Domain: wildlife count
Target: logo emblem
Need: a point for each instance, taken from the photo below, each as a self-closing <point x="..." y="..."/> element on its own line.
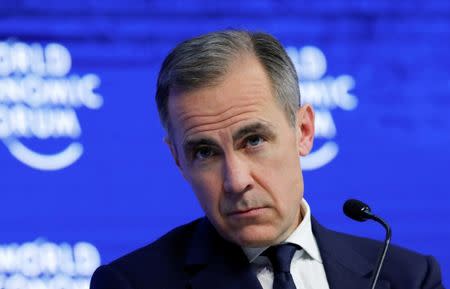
<point x="325" y="93"/>
<point x="43" y="264"/>
<point x="39" y="100"/>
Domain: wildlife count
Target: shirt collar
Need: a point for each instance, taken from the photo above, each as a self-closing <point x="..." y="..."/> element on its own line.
<point x="302" y="236"/>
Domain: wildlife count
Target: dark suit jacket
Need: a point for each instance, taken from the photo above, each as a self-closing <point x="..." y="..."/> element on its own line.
<point x="195" y="256"/>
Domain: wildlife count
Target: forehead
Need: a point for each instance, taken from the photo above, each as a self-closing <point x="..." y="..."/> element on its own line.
<point x="244" y="94"/>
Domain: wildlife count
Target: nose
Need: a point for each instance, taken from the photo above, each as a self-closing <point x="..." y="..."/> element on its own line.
<point x="237" y="176"/>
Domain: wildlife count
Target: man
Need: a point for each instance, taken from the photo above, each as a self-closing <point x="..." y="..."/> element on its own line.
<point x="229" y="102"/>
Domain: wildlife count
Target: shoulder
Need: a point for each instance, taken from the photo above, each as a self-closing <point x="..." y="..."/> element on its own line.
<point x="370" y="249"/>
<point x="401" y="266"/>
<point x="171" y="245"/>
<point x="145" y="267"/>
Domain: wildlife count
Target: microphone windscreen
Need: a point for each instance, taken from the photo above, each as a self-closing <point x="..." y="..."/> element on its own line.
<point x="356" y="210"/>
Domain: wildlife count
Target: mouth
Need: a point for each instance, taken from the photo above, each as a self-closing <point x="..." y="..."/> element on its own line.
<point x="252" y="212"/>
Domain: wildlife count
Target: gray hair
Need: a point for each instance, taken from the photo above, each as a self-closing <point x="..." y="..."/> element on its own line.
<point x="203" y="61"/>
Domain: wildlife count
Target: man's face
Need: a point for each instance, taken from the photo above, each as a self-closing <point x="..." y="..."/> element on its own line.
<point x="234" y="145"/>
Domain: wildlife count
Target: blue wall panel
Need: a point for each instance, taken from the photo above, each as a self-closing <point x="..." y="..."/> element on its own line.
<point x="124" y="190"/>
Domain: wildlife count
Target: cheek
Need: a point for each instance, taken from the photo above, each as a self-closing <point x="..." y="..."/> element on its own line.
<point x="280" y="175"/>
<point x="207" y="188"/>
<point x="281" y="167"/>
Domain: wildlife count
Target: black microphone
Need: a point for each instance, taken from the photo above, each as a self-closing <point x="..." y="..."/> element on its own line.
<point x="361" y="212"/>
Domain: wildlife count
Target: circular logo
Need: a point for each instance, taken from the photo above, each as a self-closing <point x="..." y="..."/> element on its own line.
<point x="325" y="93"/>
<point x="39" y="100"/>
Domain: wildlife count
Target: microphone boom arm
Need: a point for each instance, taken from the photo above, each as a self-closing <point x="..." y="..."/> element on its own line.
<point x="387" y="241"/>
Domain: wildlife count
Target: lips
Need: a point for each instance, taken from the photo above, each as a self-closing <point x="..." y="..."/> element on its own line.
<point x="247" y="212"/>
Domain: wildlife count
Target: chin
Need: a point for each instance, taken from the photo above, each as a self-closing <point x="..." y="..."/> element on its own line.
<point x="254" y="238"/>
<point x="254" y="243"/>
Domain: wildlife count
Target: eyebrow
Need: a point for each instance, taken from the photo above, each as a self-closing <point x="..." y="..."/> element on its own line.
<point x="190" y="144"/>
<point x="253" y="128"/>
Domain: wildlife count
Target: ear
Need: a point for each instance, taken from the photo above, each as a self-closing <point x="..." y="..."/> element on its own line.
<point x="305" y="129"/>
<point x="173" y="150"/>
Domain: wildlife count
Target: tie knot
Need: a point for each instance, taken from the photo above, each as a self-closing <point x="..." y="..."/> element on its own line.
<point x="280" y="256"/>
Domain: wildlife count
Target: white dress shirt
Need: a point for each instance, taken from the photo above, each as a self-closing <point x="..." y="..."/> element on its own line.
<point x="306" y="266"/>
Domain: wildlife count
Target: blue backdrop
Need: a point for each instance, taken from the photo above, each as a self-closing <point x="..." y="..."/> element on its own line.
<point x="85" y="176"/>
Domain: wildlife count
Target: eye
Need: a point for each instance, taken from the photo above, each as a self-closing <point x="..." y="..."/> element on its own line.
<point x="203" y="153"/>
<point x="254" y="140"/>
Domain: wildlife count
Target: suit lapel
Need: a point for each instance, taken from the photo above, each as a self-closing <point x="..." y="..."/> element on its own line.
<point x="344" y="267"/>
<point x="213" y="262"/>
<point x="340" y="277"/>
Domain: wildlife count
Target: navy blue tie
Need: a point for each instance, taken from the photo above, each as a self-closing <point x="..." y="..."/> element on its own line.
<point x="280" y="256"/>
